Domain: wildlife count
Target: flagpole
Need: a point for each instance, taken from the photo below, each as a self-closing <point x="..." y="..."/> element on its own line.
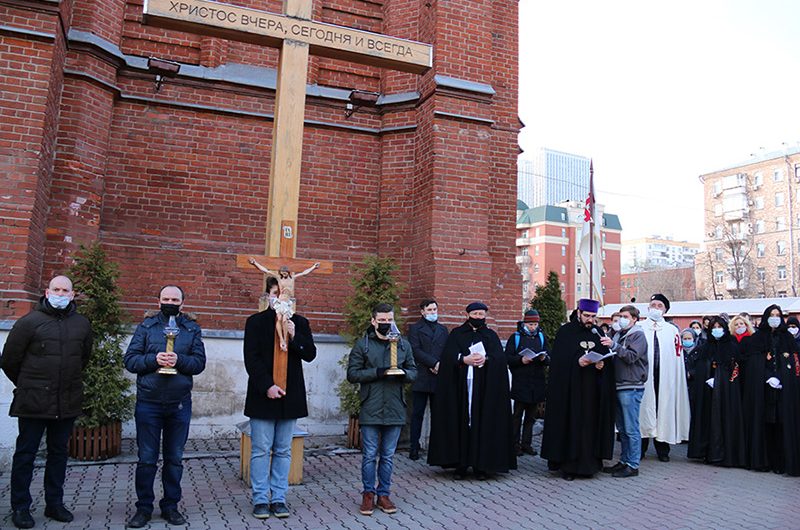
<point x="590" y="200"/>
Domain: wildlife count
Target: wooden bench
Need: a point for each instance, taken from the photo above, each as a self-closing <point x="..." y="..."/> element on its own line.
<point x="298" y="449"/>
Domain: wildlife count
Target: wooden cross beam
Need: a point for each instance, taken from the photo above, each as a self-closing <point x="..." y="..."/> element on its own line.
<point x="296" y="35"/>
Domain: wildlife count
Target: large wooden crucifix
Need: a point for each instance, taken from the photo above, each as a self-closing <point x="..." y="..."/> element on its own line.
<point x="296" y="35"/>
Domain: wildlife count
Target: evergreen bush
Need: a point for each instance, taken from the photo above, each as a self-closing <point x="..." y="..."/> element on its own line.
<point x="107" y="396"/>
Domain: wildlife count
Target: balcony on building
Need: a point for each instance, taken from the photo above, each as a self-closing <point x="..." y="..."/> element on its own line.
<point x="734" y="197"/>
<point x="523" y="260"/>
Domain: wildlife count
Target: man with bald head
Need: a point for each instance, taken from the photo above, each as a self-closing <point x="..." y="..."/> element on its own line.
<point x="44" y="357"/>
<point x="163" y="401"/>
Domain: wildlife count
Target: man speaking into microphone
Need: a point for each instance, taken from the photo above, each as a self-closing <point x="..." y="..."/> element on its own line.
<point x="579" y="419"/>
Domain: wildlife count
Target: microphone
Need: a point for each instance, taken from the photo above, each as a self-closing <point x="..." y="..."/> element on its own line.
<point x="594" y="330"/>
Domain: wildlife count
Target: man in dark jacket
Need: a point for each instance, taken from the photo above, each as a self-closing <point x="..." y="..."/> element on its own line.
<point x="273" y="411"/>
<point x="383" y="407"/>
<point x="527" y="356"/>
<point x="163" y="401"/>
<point x="427" y="338"/>
<point x="471" y="421"/>
<point x="44" y="357"/>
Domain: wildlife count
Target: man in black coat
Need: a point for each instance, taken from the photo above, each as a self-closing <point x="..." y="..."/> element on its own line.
<point x="427" y="338"/>
<point x="471" y="420"/>
<point x="44" y="357"/>
<point x="528" y="383"/>
<point x="579" y="419"/>
<point x="273" y="411"/>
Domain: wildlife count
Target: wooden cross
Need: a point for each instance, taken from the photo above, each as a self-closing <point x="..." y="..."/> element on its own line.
<point x="296" y="35"/>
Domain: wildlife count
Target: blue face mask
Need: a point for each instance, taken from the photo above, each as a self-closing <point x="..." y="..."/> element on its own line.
<point x="687" y="343"/>
<point x="58" y="301"/>
<point x="432" y="317"/>
<point x="717" y="333"/>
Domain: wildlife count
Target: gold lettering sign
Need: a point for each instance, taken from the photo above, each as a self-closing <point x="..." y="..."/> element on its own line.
<point x="251" y="25"/>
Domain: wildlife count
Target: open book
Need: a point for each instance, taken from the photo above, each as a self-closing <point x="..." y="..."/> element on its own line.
<point x="530" y="354"/>
<point x="594" y="357"/>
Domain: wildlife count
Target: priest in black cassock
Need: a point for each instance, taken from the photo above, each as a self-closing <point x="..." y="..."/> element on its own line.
<point x="579" y="418"/>
<point x="471" y="414"/>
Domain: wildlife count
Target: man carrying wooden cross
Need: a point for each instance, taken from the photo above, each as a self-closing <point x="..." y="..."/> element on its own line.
<point x="273" y="410"/>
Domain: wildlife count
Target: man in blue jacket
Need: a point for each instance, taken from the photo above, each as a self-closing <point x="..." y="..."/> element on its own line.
<point x="163" y="402"/>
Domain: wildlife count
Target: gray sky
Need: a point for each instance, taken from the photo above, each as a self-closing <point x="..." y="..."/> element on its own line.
<point x="658" y="93"/>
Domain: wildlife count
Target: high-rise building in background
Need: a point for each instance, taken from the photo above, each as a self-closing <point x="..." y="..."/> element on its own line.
<point x="549" y="177"/>
<point x="752" y="228"/>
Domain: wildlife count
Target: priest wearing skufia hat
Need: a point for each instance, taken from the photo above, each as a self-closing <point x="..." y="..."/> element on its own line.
<point x="471" y="414"/>
<point x="579" y="418"/>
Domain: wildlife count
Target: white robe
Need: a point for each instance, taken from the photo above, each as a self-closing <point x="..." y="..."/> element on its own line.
<point x="671" y="423"/>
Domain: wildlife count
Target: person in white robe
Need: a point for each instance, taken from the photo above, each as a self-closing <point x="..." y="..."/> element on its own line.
<point x="665" y="413"/>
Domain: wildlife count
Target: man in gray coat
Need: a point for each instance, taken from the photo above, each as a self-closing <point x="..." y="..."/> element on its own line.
<point x="630" y="369"/>
<point x="383" y="407"/>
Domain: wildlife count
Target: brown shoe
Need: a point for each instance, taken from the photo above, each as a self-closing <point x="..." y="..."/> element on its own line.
<point x="367" y="503"/>
<point x="386" y="504"/>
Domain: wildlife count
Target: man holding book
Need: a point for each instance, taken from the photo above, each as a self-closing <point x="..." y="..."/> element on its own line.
<point x="579" y="421"/>
<point x="526" y="351"/>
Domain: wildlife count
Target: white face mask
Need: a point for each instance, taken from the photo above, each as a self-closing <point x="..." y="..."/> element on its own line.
<point x="717" y="333"/>
<point x="774" y="322"/>
<point x="615" y="326"/>
<point x="624" y="323"/>
<point x="793" y="331"/>
<point x="740" y="330"/>
<point x="655" y="314"/>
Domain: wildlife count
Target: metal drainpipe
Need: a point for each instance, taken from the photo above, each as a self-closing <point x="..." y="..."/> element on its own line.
<point x="789" y="178"/>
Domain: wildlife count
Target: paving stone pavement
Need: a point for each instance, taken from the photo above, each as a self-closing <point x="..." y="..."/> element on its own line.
<point x="679" y="494"/>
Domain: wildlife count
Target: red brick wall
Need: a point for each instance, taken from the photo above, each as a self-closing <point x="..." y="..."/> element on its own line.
<point x="31" y="78"/>
<point x="174" y="192"/>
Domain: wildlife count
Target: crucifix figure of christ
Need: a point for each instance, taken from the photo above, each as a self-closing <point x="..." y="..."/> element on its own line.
<point x="284" y="306"/>
<point x="296" y="35"/>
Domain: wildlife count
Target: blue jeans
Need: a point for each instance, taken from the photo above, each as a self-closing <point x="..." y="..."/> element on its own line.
<point x="628" y="403"/>
<point x="153" y="419"/>
<point x="30" y="434"/>
<point x="378" y="440"/>
<point x="270" y="438"/>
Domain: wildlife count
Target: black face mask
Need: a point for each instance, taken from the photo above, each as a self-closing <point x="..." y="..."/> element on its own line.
<point x="384" y="328"/>
<point x="477" y="322"/>
<point x="170" y="310"/>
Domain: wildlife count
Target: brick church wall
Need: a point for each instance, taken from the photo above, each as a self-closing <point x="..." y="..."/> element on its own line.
<point x="174" y="183"/>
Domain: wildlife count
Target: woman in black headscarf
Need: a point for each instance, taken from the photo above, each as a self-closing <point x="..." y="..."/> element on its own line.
<point x="771" y="398"/>
<point x="717" y="433"/>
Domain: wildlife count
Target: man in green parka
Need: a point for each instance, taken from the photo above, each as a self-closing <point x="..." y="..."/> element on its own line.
<point x="383" y="406"/>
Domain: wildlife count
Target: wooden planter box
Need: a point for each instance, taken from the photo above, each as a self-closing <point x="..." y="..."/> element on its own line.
<point x="296" y="466"/>
<point x="96" y="443"/>
<point x="353" y="433"/>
